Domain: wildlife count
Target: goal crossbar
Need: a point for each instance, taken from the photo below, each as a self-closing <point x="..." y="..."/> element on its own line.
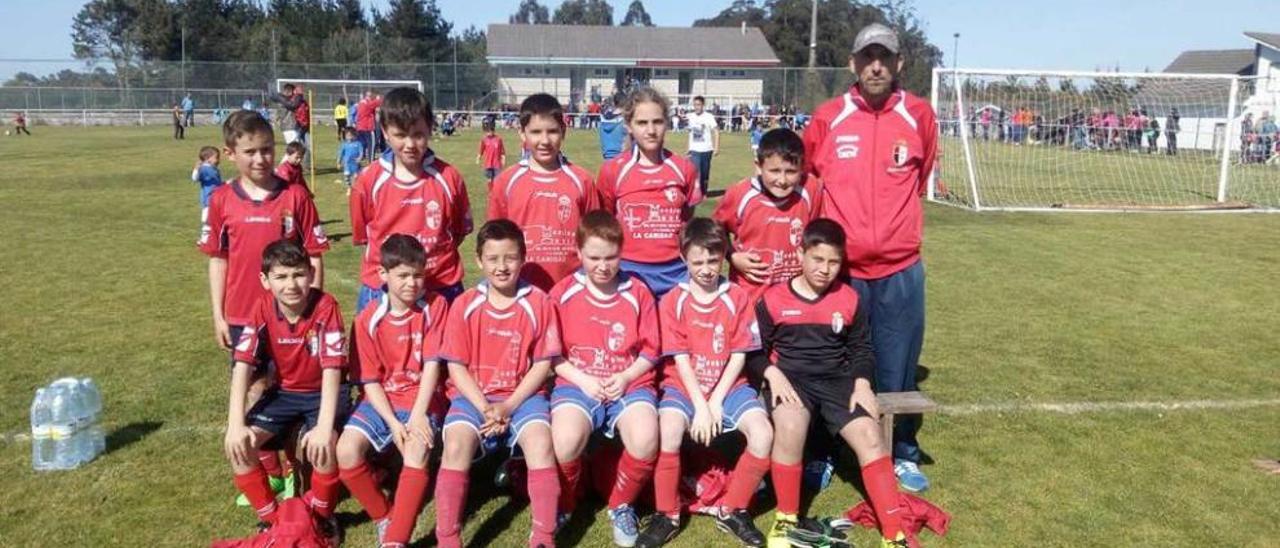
<point x="280" y="82"/>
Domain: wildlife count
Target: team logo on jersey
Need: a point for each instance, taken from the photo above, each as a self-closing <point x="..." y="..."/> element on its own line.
<point x="796" y="232"/>
<point x="837" y="322"/>
<point x="717" y="339"/>
<point x="434" y="216"/>
<point x="617" y="332"/>
<point x="847" y="147"/>
<point x="564" y="207"/>
<point x="286" y="218"/>
<point x="313" y="342"/>
<point x="755" y="333"/>
<point x="901" y="153"/>
<point x="318" y="232"/>
<point x="672" y="194"/>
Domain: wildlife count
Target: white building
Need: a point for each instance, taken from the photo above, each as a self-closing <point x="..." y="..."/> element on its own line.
<point x="577" y="63"/>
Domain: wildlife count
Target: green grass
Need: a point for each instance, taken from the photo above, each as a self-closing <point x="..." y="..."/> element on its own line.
<point x="102" y="279"/>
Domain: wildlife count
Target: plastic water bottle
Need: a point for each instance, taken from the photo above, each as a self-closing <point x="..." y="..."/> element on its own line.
<point x="818" y="472"/>
<point x="95" y="407"/>
<point x="41" y="435"/>
<point x="62" y="428"/>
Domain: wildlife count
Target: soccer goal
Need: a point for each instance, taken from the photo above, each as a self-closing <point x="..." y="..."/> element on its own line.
<point x="1092" y="141"/>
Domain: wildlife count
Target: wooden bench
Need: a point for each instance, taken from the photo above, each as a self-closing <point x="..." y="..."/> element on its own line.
<point x="900" y="403"/>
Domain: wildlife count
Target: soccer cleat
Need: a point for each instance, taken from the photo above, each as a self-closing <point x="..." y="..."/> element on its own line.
<point x="562" y="519"/>
<point x="625" y="526"/>
<point x="782" y="524"/>
<point x="278" y="486"/>
<point x="817" y="533"/>
<point x="660" y="530"/>
<point x="899" y="542"/>
<point x="263" y="527"/>
<point x="289" y="485"/>
<point x="738" y="523"/>
<point x="910" y="478"/>
<point x="329" y="530"/>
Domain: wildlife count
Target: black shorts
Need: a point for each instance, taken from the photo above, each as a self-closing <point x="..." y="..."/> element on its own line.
<point x="280" y="411"/>
<point x="826" y="399"/>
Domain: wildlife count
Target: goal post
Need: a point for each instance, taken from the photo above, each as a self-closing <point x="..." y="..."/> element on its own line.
<point x="1018" y="140"/>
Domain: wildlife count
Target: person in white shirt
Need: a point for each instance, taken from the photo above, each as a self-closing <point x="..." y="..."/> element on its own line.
<point x="704" y="140"/>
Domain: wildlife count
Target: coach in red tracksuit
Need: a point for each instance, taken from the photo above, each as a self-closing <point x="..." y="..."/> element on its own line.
<point x="874" y="148"/>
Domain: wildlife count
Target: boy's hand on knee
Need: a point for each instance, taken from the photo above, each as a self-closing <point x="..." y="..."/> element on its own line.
<point x="318" y="443"/>
<point x="399" y="436"/>
<point x="238" y="441"/>
<point x="864" y="396"/>
<point x="420" y="427"/>
<point x="780" y="389"/>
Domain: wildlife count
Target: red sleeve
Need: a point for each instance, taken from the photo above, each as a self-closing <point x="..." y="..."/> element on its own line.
<point x="592" y="194"/>
<point x="691" y="184"/>
<point x="360" y="208"/>
<point x="814" y="187"/>
<point x="333" y="346"/>
<point x="746" y="335"/>
<point x="211" y="242"/>
<point x="726" y="211"/>
<point x="814" y="134"/>
<point x="314" y="239"/>
<point x="498" y="197"/>
<point x="455" y="345"/>
<point x="547" y="343"/>
<point x="927" y="126"/>
<point x="462" y="223"/>
<point x="247" y="348"/>
<point x="674" y="339"/>
<point x="437" y="317"/>
<point x="366" y="365"/>
<point x="649" y="344"/>
<point x="502" y="148"/>
<point x="607" y="186"/>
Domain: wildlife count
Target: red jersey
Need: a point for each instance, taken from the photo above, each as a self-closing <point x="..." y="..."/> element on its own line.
<point x="433" y="208"/>
<point x="492" y="151"/>
<point x="291" y="173"/>
<point x="874" y="166"/>
<point x="548" y="208"/>
<point x="769" y="227"/>
<point x="603" y="337"/>
<point x="708" y="333"/>
<point x="500" y="345"/>
<point x="301" y="351"/>
<point x="391" y="349"/>
<point x="238" y="229"/>
<point x="366" y="113"/>
<point x="651" y="202"/>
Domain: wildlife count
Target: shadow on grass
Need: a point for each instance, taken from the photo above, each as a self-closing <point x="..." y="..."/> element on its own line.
<point x="128" y="434"/>
<point x="330" y="221"/>
<point x="339" y="236"/>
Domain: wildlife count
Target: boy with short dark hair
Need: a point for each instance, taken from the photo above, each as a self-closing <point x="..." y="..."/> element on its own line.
<point x="816" y="363"/>
<point x="545" y="194"/>
<point x="396" y="360"/>
<point x="767" y="213"/>
<point x="290" y="168"/>
<point x="499" y="341"/>
<point x="206" y="175"/>
<point x="410" y="191"/>
<point x="492" y="155"/>
<point x="708" y="326"/>
<point x="299" y="330"/>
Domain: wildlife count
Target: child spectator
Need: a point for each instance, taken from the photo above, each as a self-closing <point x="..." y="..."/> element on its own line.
<point x="545" y="195"/>
<point x="757" y="133"/>
<point x="179" y="131"/>
<point x="366" y="118"/>
<point x="298" y="330"/>
<point x="290" y="168"/>
<point x="206" y="175"/>
<point x="410" y="191"/>
<point x="396" y="345"/>
<point x="349" y="154"/>
<point x="612" y="133"/>
<point x="20" y="124"/>
<point x="499" y="342"/>
<point x="340" y="117"/>
<point x="492" y="155"/>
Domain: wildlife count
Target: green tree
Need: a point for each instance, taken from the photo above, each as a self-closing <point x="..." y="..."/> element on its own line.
<point x="413" y="31"/>
<point x="583" y="12"/>
<point x="123" y="31"/>
<point x="637" y="16"/>
<point x="530" y="13"/>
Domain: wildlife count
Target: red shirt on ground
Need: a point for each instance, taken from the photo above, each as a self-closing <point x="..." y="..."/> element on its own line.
<point x="548" y="208"/>
<point x="238" y="229"/>
<point x="708" y="333"/>
<point x="650" y="202"/>
<point x="491" y="151"/>
<point x="301" y="351"/>
<point x="498" y="346"/>
<point x="769" y="227"/>
<point x="603" y="337"/>
<point x="391" y="349"/>
<point x="433" y="208"/>
<point x="874" y="167"/>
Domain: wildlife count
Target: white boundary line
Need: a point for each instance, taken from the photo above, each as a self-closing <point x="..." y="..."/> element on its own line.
<point x="1062" y="408"/>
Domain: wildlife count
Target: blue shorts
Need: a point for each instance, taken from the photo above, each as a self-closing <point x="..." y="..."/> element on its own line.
<point x="660" y="277"/>
<point x="490" y="173"/>
<point x="279" y="411"/>
<point x="366" y="420"/>
<point x="532" y="411"/>
<point x="372" y="295"/>
<point x="603" y="416"/>
<point x="737" y="403"/>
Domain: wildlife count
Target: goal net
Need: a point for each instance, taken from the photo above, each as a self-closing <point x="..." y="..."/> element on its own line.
<point x="1047" y="141"/>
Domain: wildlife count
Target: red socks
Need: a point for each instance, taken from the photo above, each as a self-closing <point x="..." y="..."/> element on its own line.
<point x="364" y="488"/>
<point x="410" y="492"/>
<point x="544" y="492"/>
<point x="323" y="495"/>
<point x="570" y="473"/>
<point x="270" y="461"/>
<point x="666" y="484"/>
<point x="255" y="487"/>
<point x="882" y="489"/>
<point x="744" y="480"/>
<point x="451" y="495"/>
<point x="633" y="474"/>
<point x="786" y="486"/>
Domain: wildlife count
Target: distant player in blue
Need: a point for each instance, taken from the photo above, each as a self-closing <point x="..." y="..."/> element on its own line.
<point x="757" y="133"/>
<point x="349" y="154"/>
<point x="188" y="111"/>
<point x="207" y="176"/>
<point x="612" y="133"/>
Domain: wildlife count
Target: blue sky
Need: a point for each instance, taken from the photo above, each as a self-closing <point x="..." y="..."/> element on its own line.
<point x="1074" y="35"/>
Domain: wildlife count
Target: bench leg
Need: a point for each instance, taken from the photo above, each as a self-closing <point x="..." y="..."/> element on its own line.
<point x="886" y="429"/>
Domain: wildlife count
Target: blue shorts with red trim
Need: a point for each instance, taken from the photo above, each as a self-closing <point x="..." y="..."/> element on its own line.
<point x="603" y="416"/>
<point x="737" y="403"/>
<point x="660" y="277"/>
<point x="531" y="411"/>
<point x="366" y="420"/>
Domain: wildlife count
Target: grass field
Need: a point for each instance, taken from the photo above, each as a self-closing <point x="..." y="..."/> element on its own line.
<point x="101" y="278"/>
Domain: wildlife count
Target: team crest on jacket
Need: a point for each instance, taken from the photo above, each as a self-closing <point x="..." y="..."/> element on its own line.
<point x="286" y="219"/>
<point x="796" y="232"/>
<point x="433" y="215"/>
<point x="672" y="194"/>
<point x="901" y="153"/>
<point x="617" y="332"/>
<point x="564" y="207"/>
<point x="837" y="322"/>
<point x="313" y="342"/>
<point x="717" y="339"/>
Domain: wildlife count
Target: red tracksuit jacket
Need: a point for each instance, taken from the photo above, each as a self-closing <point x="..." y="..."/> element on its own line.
<point x="874" y="166"/>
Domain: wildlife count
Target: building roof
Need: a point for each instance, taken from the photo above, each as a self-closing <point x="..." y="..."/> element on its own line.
<point x="635" y="46"/>
<point x="1269" y="39"/>
<point x="1220" y="61"/>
